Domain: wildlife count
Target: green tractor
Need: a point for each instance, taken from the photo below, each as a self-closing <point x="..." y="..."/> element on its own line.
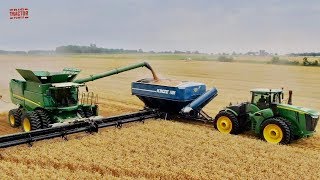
<point x="45" y="99"/>
<point x="268" y="117"/>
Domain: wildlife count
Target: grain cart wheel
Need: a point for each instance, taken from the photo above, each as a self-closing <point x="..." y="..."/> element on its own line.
<point x="14" y="117"/>
<point x="30" y="121"/>
<point x="226" y="122"/>
<point x="44" y="117"/>
<point x="275" y="131"/>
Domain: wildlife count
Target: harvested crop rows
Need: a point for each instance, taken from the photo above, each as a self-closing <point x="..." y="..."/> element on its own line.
<point x="167" y="149"/>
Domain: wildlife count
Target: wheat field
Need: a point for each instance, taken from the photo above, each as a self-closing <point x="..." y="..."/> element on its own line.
<point x="160" y="149"/>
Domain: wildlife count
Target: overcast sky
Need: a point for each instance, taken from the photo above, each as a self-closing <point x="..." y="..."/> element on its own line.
<point x="206" y="25"/>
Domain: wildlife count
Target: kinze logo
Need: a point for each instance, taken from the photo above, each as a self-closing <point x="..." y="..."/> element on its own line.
<point x="164" y="91"/>
<point x="19" y="13"/>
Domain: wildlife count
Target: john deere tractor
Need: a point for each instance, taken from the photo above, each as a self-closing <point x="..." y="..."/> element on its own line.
<point x="268" y="117"/>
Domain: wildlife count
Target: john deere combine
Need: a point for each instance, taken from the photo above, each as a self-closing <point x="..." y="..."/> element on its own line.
<point x="45" y="98"/>
<point x="268" y="117"/>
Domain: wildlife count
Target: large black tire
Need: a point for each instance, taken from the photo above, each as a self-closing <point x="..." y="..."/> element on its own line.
<point x="88" y="112"/>
<point x="44" y="117"/>
<point x="289" y="124"/>
<point x="226" y="122"/>
<point x="30" y="121"/>
<point x="14" y="118"/>
<point x="276" y="131"/>
<point x="95" y="110"/>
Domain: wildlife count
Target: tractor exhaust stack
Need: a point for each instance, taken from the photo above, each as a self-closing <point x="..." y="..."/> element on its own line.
<point x="290" y="97"/>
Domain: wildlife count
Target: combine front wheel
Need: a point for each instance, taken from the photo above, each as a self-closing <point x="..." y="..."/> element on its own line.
<point x="30" y="121"/>
<point x="226" y="122"/>
<point x="276" y="131"/>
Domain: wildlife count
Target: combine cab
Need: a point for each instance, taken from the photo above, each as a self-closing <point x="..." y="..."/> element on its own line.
<point x="268" y="117"/>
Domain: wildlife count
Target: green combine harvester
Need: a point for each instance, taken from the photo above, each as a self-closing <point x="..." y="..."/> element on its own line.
<point x="45" y="98"/>
<point x="269" y="117"/>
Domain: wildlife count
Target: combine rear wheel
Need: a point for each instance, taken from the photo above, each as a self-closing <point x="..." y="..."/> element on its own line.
<point x="226" y="122"/>
<point x="44" y="117"/>
<point x="14" y="117"/>
<point x="30" y="121"/>
<point x="276" y="131"/>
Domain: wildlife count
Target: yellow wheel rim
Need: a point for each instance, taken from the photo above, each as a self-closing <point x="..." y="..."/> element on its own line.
<point x="224" y="124"/>
<point x="12" y="120"/>
<point x="272" y="133"/>
<point x="26" y="125"/>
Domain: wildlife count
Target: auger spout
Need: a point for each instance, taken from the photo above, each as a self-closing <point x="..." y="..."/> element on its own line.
<point x="117" y="71"/>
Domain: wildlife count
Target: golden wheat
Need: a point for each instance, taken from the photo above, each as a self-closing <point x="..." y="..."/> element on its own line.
<point x="167" y="149"/>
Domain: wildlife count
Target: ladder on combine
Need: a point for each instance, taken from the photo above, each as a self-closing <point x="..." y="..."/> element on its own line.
<point x="89" y="98"/>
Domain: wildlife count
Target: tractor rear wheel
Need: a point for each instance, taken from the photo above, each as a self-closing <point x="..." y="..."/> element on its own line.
<point x="30" y="121"/>
<point x="44" y="117"/>
<point x="226" y="122"/>
<point x="14" y="117"/>
<point x="276" y="131"/>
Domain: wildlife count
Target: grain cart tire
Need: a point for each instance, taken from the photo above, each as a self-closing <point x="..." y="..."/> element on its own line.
<point x="44" y="117"/>
<point x="226" y="122"/>
<point x="275" y="131"/>
<point x="81" y="113"/>
<point x="14" y="117"/>
<point x="30" y="121"/>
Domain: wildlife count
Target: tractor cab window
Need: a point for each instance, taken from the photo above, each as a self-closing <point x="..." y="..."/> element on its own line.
<point x="64" y="97"/>
<point x="262" y="100"/>
<point x="276" y="98"/>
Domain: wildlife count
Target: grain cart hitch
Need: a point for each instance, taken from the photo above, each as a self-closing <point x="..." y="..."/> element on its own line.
<point x="90" y="125"/>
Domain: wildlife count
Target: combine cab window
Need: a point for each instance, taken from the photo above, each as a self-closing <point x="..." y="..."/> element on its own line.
<point x="64" y="97"/>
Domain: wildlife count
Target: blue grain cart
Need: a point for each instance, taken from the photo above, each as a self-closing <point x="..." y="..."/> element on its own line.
<point x="174" y="97"/>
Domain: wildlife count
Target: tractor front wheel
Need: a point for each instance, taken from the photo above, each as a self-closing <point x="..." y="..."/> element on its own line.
<point x="275" y="131"/>
<point x="30" y="121"/>
<point x="226" y="122"/>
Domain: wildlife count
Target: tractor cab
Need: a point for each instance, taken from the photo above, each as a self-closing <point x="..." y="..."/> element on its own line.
<point x="264" y="98"/>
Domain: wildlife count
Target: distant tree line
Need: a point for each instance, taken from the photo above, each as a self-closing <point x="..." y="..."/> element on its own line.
<point x="74" y="49"/>
<point x="305" y="54"/>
